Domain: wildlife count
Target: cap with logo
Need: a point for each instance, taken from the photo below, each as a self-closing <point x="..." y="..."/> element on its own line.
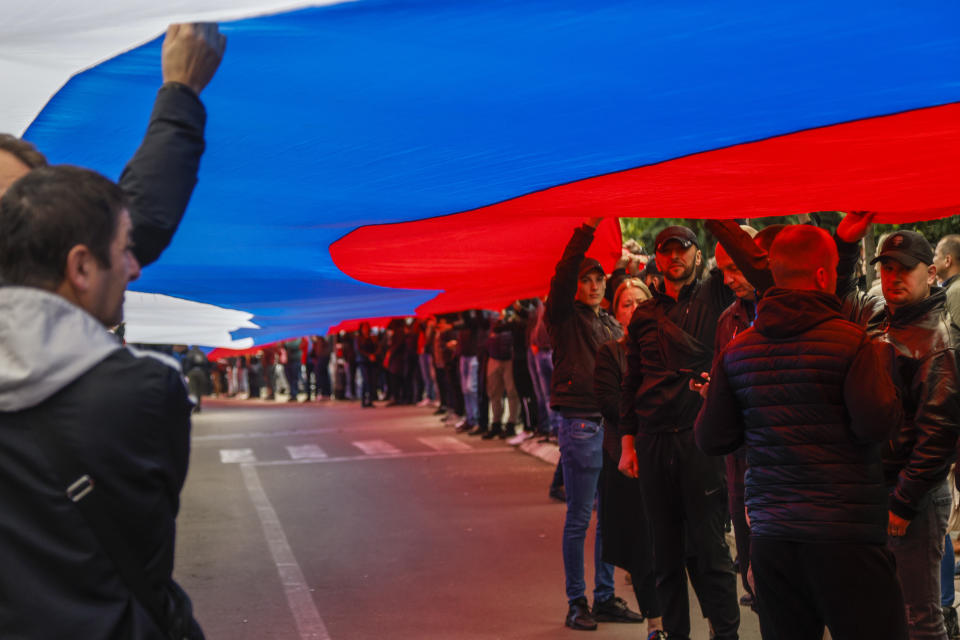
<point x="683" y="235"/>
<point x="588" y="265"/>
<point x="909" y="248"/>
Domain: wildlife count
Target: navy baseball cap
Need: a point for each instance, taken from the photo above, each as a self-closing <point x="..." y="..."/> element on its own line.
<point x="683" y="235"/>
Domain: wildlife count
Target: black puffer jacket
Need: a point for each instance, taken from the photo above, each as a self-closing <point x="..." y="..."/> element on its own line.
<point x="810" y="396"/>
<point x="576" y="332"/>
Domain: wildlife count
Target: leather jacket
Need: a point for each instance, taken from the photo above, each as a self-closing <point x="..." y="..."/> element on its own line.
<point x="576" y="332"/>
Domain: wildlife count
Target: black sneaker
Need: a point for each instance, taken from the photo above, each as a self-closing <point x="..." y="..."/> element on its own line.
<point x="578" y="616"/>
<point x="657" y="634"/>
<point x="614" y="609"/>
<point x="950" y="622"/>
<point x="558" y="493"/>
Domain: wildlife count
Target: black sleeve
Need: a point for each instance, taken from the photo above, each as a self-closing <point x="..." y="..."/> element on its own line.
<point x="629" y="422"/>
<point x="563" y="285"/>
<point x="606" y="383"/>
<point x="719" y="427"/>
<point x="849" y="254"/>
<point x="160" y="177"/>
<point x="749" y="258"/>
<point x="870" y="395"/>
<point x="937" y="390"/>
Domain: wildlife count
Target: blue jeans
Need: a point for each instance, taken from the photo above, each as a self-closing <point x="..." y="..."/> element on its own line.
<point x="918" y="554"/>
<point x="581" y="455"/>
<point x="469" y="370"/>
<point x="427" y="374"/>
<point x="541" y="364"/>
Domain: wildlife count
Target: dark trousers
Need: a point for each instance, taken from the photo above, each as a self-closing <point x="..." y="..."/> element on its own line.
<point x="683" y="494"/>
<point x="850" y="588"/>
<point x="736" y="467"/>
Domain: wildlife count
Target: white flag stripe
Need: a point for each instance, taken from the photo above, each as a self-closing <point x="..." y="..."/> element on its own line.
<point x="375" y="447"/>
<point x="233" y="456"/>
<point x="306" y="451"/>
<point x="445" y="443"/>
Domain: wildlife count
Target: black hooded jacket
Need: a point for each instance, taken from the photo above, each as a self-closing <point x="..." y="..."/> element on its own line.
<point x="811" y="397"/>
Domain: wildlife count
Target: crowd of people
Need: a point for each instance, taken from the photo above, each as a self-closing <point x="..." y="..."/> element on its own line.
<point x="768" y="388"/>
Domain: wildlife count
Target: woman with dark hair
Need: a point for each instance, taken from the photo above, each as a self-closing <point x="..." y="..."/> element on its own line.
<point x="623" y="523"/>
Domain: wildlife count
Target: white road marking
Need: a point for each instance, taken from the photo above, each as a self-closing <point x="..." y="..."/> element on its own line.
<point x="278" y="433"/>
<point x="376" y="447"/>
<point x="389" y="456"/>
<point x="310" y="451"/>
<point x="233" y="456"/>
<point x="445" y="443"/>
<point x="304" y="610"/>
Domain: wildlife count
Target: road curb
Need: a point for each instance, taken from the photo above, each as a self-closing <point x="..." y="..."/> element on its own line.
<point x="546" y="451"/>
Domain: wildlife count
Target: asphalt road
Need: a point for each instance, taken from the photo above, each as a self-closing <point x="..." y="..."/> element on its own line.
<point x="331" y="521"/>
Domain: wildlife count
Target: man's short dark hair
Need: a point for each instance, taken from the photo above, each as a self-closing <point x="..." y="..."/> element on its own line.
<point x="22" y="150"/>
<point x="46" y="213"/>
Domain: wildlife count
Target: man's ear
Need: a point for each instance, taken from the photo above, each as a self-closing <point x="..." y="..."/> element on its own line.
<point x="79" y="268"/>
<point x="699" y="258"/>
<point x="822" y="279"/>
<point x="931" y="275"/>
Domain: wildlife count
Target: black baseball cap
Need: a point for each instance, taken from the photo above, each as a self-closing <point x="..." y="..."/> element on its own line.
<point x="588" y="265"/>
<point x="683" y="235"/>
<point x="909" y="248"/>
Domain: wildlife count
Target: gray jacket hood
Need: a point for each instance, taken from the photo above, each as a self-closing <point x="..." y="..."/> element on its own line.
<point x="46" y="343"/>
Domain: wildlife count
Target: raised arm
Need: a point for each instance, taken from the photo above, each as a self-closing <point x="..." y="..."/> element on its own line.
<point x="749" y="258"/>
<point x="563" y="285"/>
<point x="160" y="177"/>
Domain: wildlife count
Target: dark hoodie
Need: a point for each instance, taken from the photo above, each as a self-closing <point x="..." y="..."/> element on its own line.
<point x="811" y="397"/>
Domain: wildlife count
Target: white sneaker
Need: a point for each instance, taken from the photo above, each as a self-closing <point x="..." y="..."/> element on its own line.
<point x="520" y="438"/>
<point x="460" y="423"/>
<point x="424" y="403"/>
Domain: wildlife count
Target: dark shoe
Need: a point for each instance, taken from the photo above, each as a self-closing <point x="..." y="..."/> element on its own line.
<point x="495" y="430"/>
<point x="746" y="600"/>
<point x="477" y="431"/>
<point x="463" y="426"/>
<point x="440" y="411"/>
<point x="614" y="609"/>
<point x="657" y="635"/>
<point x="558" y="493"/>
<point x="509" y="430"/>
<point x="950" y="622"/>
<point x="578" y="616"/>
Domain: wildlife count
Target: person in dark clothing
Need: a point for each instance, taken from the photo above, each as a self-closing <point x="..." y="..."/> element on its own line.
<point x="469" y="326"/>
<point x="917" y="458"/>
<point x="811" y="398"/>
<point x="293" y="366"/>
<point x="367" y="359"/>
<point x="669" y="340"/>
<point x="71" y="396"/>
<point x="255" y="374"/>
<point x="577" y="327"/>
<point x="626" y="533"/>
<point x="197" y="369"/>
<point x="500" y="379"/>
<point x="320" y="352"/>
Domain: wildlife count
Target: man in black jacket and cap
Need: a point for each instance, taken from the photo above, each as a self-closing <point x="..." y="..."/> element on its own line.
<point x="577" y="327"/>
<point x="912" y="318"/>
<point x="670" y="339"/>
<point x="811" y="397"/>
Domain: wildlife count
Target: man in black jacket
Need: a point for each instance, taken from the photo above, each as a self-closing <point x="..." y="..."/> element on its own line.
<point x="913" y="319"/>
<point x="811" y="397"/>
<point x="577" y="327"/>
<point x="670" y="338"/>
<point x="85" y="425"/>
